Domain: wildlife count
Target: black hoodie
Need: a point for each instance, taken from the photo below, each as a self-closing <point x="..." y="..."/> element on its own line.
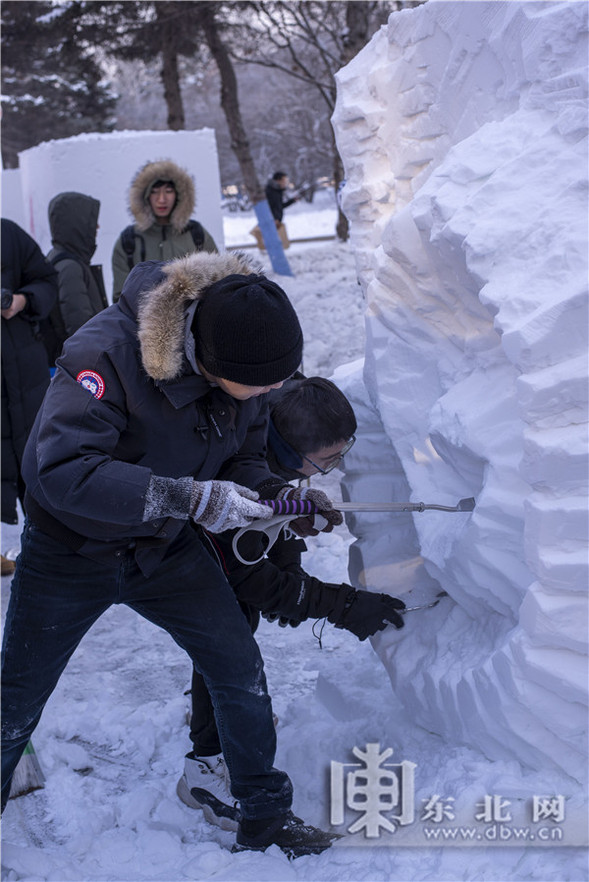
<point x="73" y="221"/>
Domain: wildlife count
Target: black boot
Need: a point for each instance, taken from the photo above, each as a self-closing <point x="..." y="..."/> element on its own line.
<point x="292" y="835"/>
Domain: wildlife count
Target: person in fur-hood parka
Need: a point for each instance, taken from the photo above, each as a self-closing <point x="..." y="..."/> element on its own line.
<point x="153" y="400"/>
<point x="161" y="200"/>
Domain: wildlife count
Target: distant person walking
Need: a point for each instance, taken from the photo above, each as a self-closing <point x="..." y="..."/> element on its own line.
<point x="29" y="291"/>
<point x="275" y="193"/>
<point x="161" y="199"/>
<point x="73" y="221"/>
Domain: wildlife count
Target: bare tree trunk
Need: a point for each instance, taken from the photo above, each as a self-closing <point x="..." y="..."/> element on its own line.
<point x="230" y="103"/>
<point x="169" y="74"/>
<point x="342" y="227"/>
<point x="357" y="26"/>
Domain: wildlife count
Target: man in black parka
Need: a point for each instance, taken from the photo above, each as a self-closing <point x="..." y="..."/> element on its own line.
<point x="151" y="399"/>
<point x="29" y="291"/>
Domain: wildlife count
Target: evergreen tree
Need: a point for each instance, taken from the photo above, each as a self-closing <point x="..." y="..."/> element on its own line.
<point x="51" y="81"/>
<point x="140" y="30"/>
<point x="169" y="29"/>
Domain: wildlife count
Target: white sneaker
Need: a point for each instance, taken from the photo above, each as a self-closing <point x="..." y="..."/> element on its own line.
<point x="205" y="785"/>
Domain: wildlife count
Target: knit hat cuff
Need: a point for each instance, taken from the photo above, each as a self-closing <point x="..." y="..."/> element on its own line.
<point x="246" y="331"/>
<point x="265" y="374"/>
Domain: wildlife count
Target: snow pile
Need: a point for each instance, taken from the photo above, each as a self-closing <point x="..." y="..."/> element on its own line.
<point x="103" y="166"/>
<point x="463" y="129"/>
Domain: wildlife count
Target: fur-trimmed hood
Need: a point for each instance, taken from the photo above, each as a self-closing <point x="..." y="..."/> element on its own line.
<point x="164" y="170"/>
<point x="162" y="311"/>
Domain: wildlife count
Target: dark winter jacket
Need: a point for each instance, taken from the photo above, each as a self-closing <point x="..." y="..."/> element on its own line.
<point x="73" y="220"/>
<point x="25" y="369"/>
<point x="277" y="585"/>
<point x="275" y="198"/>
<point x="155" y="241"/>
<point x="125" y="405"/>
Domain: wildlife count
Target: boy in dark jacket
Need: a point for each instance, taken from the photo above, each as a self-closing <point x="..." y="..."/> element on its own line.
<point x="29" y="292"/>
<point x="73" y="221"/>
<point x="311" y="427"/>
<point x="150" y="400"/>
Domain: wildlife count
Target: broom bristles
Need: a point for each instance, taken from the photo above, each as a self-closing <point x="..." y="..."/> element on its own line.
<point x="28" y="775"/>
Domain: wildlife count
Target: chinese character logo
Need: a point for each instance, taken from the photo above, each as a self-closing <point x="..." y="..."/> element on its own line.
<point x="382" y="793"/>
<point x="437" y="809"/>
<point x="493" y="808"/>
<point x="548" y="808"/>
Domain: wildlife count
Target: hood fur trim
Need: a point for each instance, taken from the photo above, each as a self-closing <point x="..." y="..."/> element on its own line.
<point x="161" y="314"/>
<point x="162" y="169"/>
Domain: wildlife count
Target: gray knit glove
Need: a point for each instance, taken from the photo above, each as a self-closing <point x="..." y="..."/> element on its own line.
<point x="217" y="505"/>
<point x="222" y="505"/>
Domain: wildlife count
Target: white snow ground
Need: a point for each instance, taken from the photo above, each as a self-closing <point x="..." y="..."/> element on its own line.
<point x="112" y="739"/>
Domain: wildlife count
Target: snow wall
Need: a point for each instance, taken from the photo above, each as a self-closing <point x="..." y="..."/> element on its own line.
<point x="463" y="129"/>
<point x="12" y="202"/>
<point x="103" y="165"/>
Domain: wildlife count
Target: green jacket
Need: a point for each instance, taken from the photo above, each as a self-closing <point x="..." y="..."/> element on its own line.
<point x="161" y="243"/>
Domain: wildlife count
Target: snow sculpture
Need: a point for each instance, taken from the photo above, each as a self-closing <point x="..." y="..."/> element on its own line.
<point x="463" y="128"/>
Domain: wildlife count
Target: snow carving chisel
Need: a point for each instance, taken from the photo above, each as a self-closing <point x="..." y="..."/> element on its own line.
<point x="286" y="510"/>
<point x="435" y="602"/>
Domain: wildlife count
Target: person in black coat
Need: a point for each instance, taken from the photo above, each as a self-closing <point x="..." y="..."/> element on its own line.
<point x="275" y="189"/>
<point x="311" y="427"/>
<point x="151" y="401"/>
<point x="29" y="291"/>
<point x="73" y="221"/>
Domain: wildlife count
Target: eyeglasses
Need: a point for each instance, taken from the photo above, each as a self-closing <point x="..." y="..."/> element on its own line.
<point x="324" y="470"/>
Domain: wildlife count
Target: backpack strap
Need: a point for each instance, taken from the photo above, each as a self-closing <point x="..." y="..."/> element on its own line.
<point x="67" y="255"/>
<point x="128" y="236"/>
<point x="63" y="255"/>
<point x="197" y="232"/>
<point x="53" y="329"/>
<point x="128" y="242"/>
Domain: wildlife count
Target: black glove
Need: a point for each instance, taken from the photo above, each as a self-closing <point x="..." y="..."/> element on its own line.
<point x="366" y="613"/>
<point x="304" y="526"/>
<point x="283" y="622"/>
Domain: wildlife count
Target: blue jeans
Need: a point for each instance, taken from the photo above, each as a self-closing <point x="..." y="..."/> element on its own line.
<point x="57" y="595"/>
<point x="203" y="726"/>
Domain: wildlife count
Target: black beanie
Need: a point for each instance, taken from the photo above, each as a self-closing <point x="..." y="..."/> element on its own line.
<point x="246" y="330"/>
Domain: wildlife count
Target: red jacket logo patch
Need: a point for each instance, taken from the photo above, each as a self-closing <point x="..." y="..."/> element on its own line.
<point x="92" y="382"/>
